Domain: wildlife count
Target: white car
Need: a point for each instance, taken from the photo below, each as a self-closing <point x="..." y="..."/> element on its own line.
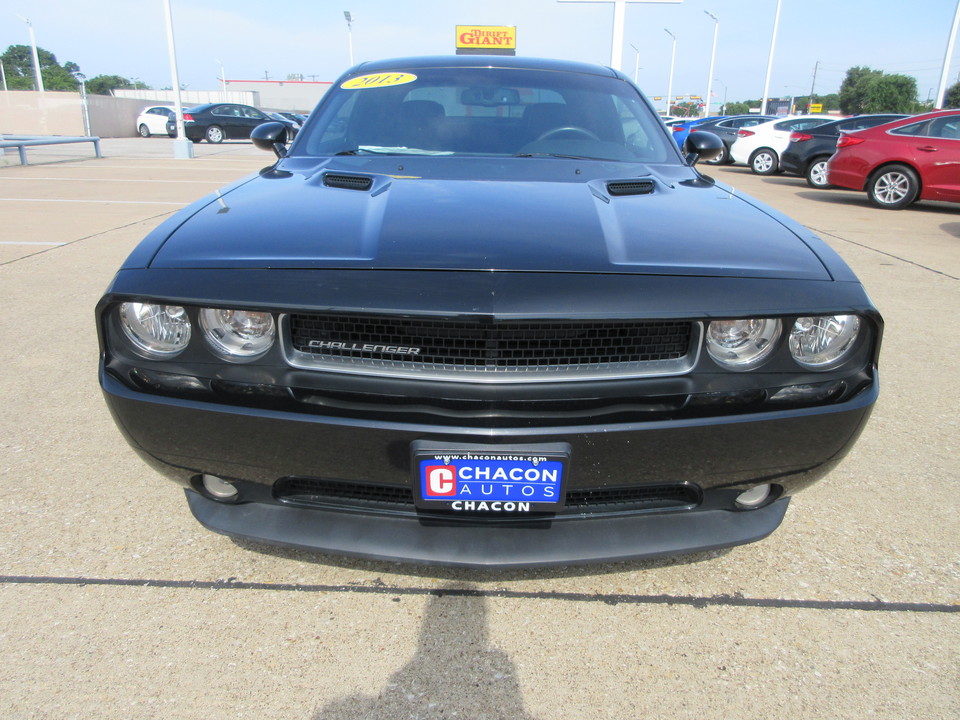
<point x="153" y="120"/>
<point x="760" y="146"/>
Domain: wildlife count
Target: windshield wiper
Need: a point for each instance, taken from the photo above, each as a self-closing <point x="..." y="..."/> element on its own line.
<point x="558" y="155"/>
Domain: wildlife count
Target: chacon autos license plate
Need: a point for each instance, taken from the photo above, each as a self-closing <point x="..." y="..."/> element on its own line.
<point x="511" y="479"/>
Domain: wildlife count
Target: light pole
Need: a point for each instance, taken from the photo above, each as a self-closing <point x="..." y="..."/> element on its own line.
<point x="349" y="17"/>
<point x="723" y="108"/>
<point x="773" y="45"/>
<point x="182" y="147"/>
<point x="942" y="91"/>
<point x="82" y="79"/>
<point x="713" y="55"/>
<point x="223" y="81"/>
<point x="636" y="70"/>
<point x="673" y="57"/>
<point x="36" y="56"/>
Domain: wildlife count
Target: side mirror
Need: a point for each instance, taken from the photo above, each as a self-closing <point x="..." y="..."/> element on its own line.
<point x="270" y="136"/>
<point x="702" y="145"/>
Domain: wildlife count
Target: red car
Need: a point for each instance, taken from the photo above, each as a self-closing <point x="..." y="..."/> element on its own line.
<point x="900" y="162"/>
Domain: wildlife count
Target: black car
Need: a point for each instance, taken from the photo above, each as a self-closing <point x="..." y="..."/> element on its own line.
<point x="216" y="122"/>
<point x="809" y="149"/>
<point x="726" y="129"/>
<point x="499" y="320"/>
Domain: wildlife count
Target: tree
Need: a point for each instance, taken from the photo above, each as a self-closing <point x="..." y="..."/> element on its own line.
<point x="103" y="84"/>
<point x="952" y="98"/>
<point x="870" y="91"/>
<point x="18" y="66"/>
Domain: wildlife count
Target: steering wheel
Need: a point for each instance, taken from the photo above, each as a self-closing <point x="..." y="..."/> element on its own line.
<point x="568" y="129"/>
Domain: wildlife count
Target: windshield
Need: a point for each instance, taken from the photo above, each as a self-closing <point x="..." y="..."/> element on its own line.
<point x="487" y="112"/>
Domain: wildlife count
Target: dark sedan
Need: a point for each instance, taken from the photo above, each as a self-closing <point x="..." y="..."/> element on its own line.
<point x="809" y="149"/>
<point x="484" y="312"/>
<point x="726" y="129"/>
<point x="216" y="122"/>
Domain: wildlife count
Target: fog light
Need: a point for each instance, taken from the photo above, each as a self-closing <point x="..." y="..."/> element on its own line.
<point x="754" y="496"/>
<point x="220" y="489"/>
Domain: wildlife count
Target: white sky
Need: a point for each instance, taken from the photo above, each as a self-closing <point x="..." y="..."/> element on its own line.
<point x="253" y="37"/>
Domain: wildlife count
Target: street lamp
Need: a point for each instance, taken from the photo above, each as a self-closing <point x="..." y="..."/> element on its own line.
<point x="773" y="45"/>
<point x="349" y="17"/>
<point x="36" y="57"/>
<point x="182" y="147"/>
<point x="673" y="56"/>
<point x="713" y="54"/>
<point x="82" y="79"/>
<point x="636" y="70"/>
<point x="223" y="81"/>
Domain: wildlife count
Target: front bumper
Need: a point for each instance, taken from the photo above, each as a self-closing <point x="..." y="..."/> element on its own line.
<point x="535" y="544"/>
<point x="719" y="456"/>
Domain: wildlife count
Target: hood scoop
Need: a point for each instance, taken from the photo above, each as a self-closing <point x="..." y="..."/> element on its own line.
<point x="348" y="182"/>
<point x="619" y="188"/>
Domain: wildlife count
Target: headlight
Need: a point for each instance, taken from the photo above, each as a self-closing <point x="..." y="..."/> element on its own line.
<point x="158" y="331"/>
<point x="820" y="343"/>
<point x="742" y="344"/>
<point x="238" y="334"/>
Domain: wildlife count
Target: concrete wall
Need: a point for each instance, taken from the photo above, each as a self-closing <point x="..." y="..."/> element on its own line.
<point x="189" y="98"/>
<point x="113" y="117"/>
<point x="26" y="112"/>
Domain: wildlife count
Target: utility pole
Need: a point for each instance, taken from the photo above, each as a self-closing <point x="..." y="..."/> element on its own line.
<point x="942" y="91"/>
<point x="814" y="83"/>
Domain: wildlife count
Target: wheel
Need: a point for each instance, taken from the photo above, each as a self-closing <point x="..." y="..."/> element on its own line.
<point x="764" y="162"/>
<point x="817" y="173"/>
<point x="722" y="159"/>
<point x="214" y="134"/>
<point x="893" y="187"/>
<point x="569" y="129"/>
<point x="143" y="130"/>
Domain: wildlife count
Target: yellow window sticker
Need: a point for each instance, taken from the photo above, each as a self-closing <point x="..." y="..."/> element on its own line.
<point x="378" y="80"/>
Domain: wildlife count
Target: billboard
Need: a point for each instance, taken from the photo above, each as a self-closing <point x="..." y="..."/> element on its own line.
<point x="486" y="40"/>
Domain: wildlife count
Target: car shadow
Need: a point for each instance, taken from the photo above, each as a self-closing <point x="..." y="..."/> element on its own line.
<point x="478" y="575"/>
<point x="455" y="671"/>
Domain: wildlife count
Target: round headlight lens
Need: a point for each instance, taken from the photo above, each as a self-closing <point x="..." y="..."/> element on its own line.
<point x="742" y="344"/>
<point x="238" y="334"/>
<point x="158" y="331"/>
<point x="823" y="342"/>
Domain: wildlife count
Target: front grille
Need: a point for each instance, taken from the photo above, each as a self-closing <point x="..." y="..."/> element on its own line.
<point x="318" y="491"/>
<point x="385" y="343"/>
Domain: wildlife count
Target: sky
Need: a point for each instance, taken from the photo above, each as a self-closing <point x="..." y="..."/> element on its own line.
<point x="254" y="39"/>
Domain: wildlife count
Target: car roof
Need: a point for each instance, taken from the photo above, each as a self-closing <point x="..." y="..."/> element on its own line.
<point x="481" y="61"/>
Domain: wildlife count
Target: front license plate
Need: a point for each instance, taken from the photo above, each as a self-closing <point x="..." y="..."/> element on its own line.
<point x="490" y="479"/>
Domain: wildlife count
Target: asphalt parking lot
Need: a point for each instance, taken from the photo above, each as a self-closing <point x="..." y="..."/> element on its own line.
<point x="116" y="603"/>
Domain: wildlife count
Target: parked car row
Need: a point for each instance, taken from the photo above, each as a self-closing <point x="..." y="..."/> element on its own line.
<point x="897" y="159"/>
<point x="214" y="122"/>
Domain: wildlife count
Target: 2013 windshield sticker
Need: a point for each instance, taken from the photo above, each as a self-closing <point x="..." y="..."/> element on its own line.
<point x="378" y="80"/>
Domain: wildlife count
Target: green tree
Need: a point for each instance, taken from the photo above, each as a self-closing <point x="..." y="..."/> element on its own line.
<point x="952" y="98"/>
<point x="891" y="94"/>
<point x="103" y="84"/>
<point x="18" y="66"/>
<point x="870" y="91"/>
<point x="737" y="108"/>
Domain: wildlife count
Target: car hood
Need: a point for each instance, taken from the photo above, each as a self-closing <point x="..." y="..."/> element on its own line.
<point x="523" y="214"/>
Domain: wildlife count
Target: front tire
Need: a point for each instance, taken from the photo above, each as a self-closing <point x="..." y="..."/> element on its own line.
<point x="144" y="131"/>
<point x="817" y="173"/>
<point x="214" y="134"/>
<point x="764" y="162"/>
<point x="893" y="187"/>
